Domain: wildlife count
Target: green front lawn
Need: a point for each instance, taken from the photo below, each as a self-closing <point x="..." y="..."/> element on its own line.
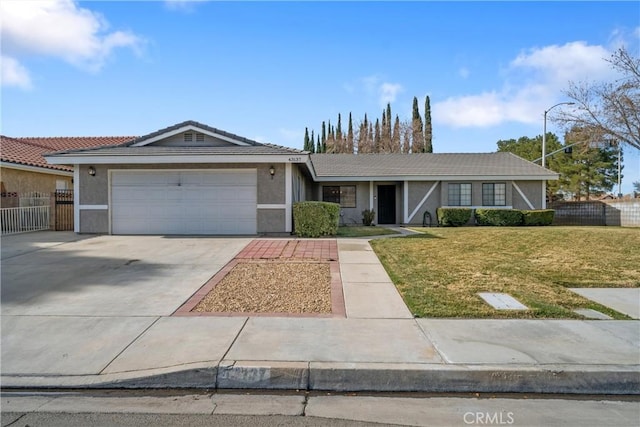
<point x="439" y="273"/>
<point x="361" y="231"/>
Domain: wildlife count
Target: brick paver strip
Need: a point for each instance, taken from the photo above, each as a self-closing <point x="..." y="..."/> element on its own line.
<point x="313" y="250"/>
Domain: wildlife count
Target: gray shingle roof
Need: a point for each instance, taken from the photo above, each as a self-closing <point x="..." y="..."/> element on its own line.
<point x="126" y="149"/>
<point x="427" y="164"/>
<point x="198" y="125"/>
<point x="263" y="149"/>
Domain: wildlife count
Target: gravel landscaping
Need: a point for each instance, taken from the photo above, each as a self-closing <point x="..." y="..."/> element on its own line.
<point x="271" y="287"/>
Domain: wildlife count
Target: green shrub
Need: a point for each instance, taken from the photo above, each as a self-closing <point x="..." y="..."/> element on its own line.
<point x="453" y="217"/>
<point x="367" y="216"/>
<point x="316" y="219"/>
<point x="499" y="217"/>
<point x="538" y="217"/>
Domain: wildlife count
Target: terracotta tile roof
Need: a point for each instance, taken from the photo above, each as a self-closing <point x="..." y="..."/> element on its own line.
<point x="29" y="151"/>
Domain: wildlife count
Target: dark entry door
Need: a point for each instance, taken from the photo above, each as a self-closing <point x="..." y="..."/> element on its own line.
<point x="386" y="204"/>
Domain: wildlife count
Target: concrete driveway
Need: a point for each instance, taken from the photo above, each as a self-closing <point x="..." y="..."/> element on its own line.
<point x="72" y="304"/>
<point x="63" y="274"/>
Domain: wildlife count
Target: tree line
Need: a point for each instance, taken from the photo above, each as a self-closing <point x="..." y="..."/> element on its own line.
<point x="385" y="135"/>
<point x="588" y="166"/>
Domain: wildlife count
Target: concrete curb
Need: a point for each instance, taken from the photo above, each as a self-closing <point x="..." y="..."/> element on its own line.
<point x="351" y="377"/>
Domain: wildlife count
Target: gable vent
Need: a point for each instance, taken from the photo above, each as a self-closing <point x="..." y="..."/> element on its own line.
<point x="188" y="137"/>
<point x="199" y="137"/>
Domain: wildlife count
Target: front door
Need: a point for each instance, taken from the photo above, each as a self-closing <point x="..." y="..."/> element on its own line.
<point x="386" y="204"/>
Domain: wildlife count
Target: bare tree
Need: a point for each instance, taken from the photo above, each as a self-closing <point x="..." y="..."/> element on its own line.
<point x="610" y="110"/>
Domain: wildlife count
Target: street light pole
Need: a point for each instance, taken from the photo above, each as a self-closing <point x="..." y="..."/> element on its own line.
<point x="544" y="133"/>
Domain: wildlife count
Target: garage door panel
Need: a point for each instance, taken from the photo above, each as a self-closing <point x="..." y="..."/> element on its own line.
<point x="184" y="202"/>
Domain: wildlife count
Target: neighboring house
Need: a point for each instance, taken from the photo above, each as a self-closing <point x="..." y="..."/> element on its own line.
<point x="24" y="170"/>
<point x="191" y="178"/>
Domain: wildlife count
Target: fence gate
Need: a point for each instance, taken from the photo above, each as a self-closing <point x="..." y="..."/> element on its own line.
<point x="64" y="210"/>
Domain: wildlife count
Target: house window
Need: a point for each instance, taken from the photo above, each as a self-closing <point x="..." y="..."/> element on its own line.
<point x="344" y="195"/>
<point x="199" y="137"/>
<point x="494" y="194"/>
<point x="459" y="194"/>
<point x="188" y="137"/>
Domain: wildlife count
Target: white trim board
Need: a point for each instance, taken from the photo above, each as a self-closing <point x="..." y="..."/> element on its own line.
<point x="93" y="207"/>
<point x="271" y="206"/>
<point x="178" y="159"/>
<point x="37" y="169"/>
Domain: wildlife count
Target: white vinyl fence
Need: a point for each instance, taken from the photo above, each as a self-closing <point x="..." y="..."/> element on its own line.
<point x="24" y="219"/>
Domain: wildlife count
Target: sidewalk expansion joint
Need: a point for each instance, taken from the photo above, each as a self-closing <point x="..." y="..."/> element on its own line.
<point x="129" y="345"/>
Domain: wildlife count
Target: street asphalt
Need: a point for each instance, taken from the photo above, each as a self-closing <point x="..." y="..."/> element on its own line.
<point x="96" y="312"/>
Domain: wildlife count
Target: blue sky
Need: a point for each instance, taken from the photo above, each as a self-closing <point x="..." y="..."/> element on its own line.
<point x="267" y="70"/>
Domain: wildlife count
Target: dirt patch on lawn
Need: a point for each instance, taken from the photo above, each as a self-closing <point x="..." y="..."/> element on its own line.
<point x="271" y="287"/>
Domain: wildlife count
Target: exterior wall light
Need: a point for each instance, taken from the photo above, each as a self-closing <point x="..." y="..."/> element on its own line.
<point x="272" y="171"/>
<point x="92" y="171"/>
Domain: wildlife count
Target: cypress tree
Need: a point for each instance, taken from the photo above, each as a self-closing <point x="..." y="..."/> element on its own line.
<point x="339" y="128"/>
<point x="350" y="135"/>
<point x="376" y="138"/>
<point x="417" y="136"/>
<point x="395" y="140"/>
<point x="428" y="132"/>
<point x="312" y="146"/>
<point x="382" y="142"/>
<point x="389" y="136"/>
<point x="319" y="146"/>
<point x="305" y="147"/>
<point x="324" y="133"/>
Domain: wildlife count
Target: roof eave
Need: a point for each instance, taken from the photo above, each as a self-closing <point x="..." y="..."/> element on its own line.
<point x="344" y="178"/>
<point x="79" y="159"/>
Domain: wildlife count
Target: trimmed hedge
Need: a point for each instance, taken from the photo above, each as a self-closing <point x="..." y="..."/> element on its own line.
<point x="499" y="217"/>
<point x="316" y="219"/>
<point x="453" y="217"/>
<point x="456" y="217"/>
<point x="538" y="217"/>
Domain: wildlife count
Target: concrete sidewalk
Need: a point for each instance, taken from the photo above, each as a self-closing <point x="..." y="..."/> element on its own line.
<point x="379" y="346"/>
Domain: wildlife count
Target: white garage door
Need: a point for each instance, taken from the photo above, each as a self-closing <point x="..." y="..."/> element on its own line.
<point x="184" y="202"/>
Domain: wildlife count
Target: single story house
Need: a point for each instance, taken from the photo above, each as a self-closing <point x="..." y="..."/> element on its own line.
<point x="191" y="178"/>
<point x="24" y="170"/>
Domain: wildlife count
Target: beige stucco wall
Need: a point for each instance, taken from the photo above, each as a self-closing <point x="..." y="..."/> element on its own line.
<point x="94" y="190"/>
<point x="21" y="181"/>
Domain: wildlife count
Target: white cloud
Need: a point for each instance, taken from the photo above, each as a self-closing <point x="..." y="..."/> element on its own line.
<point x="389" y="92"/>
<point x="12" y="73"/>
<point x="60" y="29"/>
<point x="533" y="81"/>
<point x="374" y="86"/>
